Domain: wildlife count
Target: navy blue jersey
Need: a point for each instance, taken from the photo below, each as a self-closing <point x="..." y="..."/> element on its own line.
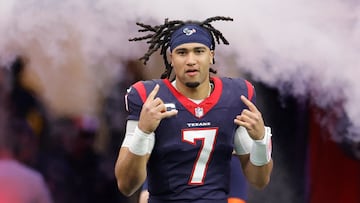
<point x="191" y="157"/>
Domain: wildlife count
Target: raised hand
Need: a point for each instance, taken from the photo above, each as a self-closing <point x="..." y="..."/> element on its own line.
<point x="153" y="111"/>
<point x="251" y="119"/>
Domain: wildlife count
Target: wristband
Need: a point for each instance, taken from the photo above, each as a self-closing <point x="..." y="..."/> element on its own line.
<point x="141" y="143"/>
<point x="261" y="149"/>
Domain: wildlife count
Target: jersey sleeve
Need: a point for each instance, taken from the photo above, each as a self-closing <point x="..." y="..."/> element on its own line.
<point x="242" y="140"/>
<point x="134" y="99"/>
<point x="251" y="93"/>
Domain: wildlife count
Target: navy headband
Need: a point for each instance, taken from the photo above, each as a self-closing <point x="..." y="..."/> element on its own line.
<point x="191" y="33"/>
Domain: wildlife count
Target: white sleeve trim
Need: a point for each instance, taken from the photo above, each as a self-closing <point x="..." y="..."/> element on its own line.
<point x="130" y="129"/>
<point x="242" y="141"/>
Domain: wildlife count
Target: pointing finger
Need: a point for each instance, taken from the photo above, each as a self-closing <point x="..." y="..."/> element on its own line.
<point x="248" y="103"/>
<point x="153" y="92"/>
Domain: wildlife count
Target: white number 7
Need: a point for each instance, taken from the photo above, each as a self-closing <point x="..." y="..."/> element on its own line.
<point x="208" y="138"/>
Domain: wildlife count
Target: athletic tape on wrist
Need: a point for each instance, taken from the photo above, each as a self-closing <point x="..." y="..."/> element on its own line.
<point x="261" y="149"/>
<point x="141" y="143"/>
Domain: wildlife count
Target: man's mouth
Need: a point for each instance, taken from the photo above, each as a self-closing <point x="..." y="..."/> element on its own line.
<point x="192" y="72"/>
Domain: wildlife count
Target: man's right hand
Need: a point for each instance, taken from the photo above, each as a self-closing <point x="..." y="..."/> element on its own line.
<point x="153" y="111"/>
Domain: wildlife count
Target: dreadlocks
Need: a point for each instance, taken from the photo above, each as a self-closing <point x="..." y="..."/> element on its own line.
<point x="161" y="34"/>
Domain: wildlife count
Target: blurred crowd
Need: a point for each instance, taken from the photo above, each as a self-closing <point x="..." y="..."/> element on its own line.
<point x="60" y="150"/>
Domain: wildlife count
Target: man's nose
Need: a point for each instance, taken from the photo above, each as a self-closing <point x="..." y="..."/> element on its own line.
<point x="191" y="59"/>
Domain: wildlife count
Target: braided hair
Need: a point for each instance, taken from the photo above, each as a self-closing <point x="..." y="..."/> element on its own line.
<point x="161" y="34"/>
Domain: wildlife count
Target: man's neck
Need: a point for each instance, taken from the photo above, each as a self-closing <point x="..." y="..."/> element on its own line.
<point x="197" y="93"/>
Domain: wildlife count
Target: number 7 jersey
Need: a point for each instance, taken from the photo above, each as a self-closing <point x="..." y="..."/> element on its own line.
<point x="191" y="158"/>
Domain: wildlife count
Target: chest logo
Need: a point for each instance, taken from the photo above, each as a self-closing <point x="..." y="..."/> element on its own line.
<point x="199" y="112"/>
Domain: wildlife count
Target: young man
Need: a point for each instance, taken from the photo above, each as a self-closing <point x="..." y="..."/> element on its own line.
<point x="181" y="133"/>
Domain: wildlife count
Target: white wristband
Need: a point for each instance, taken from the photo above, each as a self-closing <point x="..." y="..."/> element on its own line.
<point x="261" y="149"/>
<point x="141" y="143"/>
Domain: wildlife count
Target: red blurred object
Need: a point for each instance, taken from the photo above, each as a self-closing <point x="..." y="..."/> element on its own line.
<point x="334" y="175"/>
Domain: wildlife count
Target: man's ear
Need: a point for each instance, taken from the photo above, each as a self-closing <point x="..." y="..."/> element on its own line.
<point x="170" y="58"/>
<point x="212" y="53"/>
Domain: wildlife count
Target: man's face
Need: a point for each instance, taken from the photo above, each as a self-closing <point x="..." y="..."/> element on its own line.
<point x="191" y="63"/>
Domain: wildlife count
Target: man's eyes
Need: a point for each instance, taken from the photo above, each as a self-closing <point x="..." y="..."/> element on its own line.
<point x="199" y="50"/>
<point x="196" y="51"/>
